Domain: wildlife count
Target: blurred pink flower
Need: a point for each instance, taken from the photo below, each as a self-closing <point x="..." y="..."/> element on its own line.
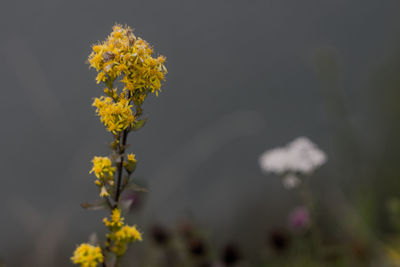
<point x="299" y="218"/>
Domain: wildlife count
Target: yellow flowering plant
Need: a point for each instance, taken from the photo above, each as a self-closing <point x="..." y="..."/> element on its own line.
<point x="128" y="60"/>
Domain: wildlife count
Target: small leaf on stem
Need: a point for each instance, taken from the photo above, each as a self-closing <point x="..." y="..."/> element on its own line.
<point x="95" y="205"/>
<point x="136" y="187"/>
<point x="125" y="205"/>
<point x="139" y="124"/>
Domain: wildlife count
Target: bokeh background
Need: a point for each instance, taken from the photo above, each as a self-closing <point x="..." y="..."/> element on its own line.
<point x="244" y="76"/>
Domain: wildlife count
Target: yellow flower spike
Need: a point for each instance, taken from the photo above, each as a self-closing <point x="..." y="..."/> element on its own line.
<point x="126" y="58"/>
<point x="87" y="255"/>
<point x="123" y="54"/>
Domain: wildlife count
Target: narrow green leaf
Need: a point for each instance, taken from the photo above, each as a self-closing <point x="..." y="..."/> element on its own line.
<point x="136" y="187"/>
<point x="125" y="205"/>
<point x="139" y="124"/>
<point x="95" y="205"/>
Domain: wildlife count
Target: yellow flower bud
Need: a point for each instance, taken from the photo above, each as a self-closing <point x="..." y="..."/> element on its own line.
<point x="130" y="164"/>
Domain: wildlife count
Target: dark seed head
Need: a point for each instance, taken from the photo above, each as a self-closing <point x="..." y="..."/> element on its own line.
<point x="107" y="56"/>
<point x="279" y="240"/>
<point x="160" y="234"/>
<point x="230" y="254"/>
<point x="197" y="247"/>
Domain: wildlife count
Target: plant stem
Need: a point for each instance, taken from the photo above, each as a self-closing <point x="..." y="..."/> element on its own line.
<point x="120" y="165"/>
<point x="307" y="199"/>
<point x="109" y="203"/>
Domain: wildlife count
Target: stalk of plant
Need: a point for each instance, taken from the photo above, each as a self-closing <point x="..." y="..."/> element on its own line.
<point x="127" y="60"/>
<point x="295" y="162"/>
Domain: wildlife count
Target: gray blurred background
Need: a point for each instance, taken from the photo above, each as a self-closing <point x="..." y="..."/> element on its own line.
<point x="244" y="76"/>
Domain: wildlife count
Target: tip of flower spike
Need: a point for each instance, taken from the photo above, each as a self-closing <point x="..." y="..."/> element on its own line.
<point x="122" y="54"/>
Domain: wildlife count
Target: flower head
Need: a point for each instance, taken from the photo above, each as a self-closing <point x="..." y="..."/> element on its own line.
<point x="102" y="168"/>
<point x="116" y="116"/>
<point x="131" y="157"/>
<point x="299" y="218"/>
<point x="87" y="255"/>
<point x="120" y="238"/>
<point x="123" y="54"/>
<point x="120" y="234"/>
<point x="128" y="233"/>
<point x="116" y="219"/>
<point x="130" y="164"/>
<point x="300" y="155"/>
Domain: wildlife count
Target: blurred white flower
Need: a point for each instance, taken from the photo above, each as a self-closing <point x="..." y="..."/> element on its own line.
<point x="301" y="156"/>
<point x="291" y="181"/>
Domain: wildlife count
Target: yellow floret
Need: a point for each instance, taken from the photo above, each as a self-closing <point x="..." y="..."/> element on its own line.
<point x="116" y="219"/>
<point x="87" y="255"/>
<point x="116" y="116"/>
<point x="102" y="168"/>
<point x="131" y="157"/>
<point x="104" y="192"/>
<point x="130" y="164"/>
<point x="127" y="234"/>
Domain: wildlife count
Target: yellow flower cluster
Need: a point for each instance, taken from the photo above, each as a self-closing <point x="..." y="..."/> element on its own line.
<point x="102" y="168"/>
<point x="116" y="220"/>
<point x="128" y="233"/>
<point x="131" y="157"/>
<point x="116" y="116"/>
<point x="120" y="235"/>
<point x="87" y="255"/>
<point x="123" y="54"/>
<point x="104" y="171"/>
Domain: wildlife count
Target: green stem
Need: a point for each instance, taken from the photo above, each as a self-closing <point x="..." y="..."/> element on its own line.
<point x="121" y="156"/>
<point x="306" y="196"/>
